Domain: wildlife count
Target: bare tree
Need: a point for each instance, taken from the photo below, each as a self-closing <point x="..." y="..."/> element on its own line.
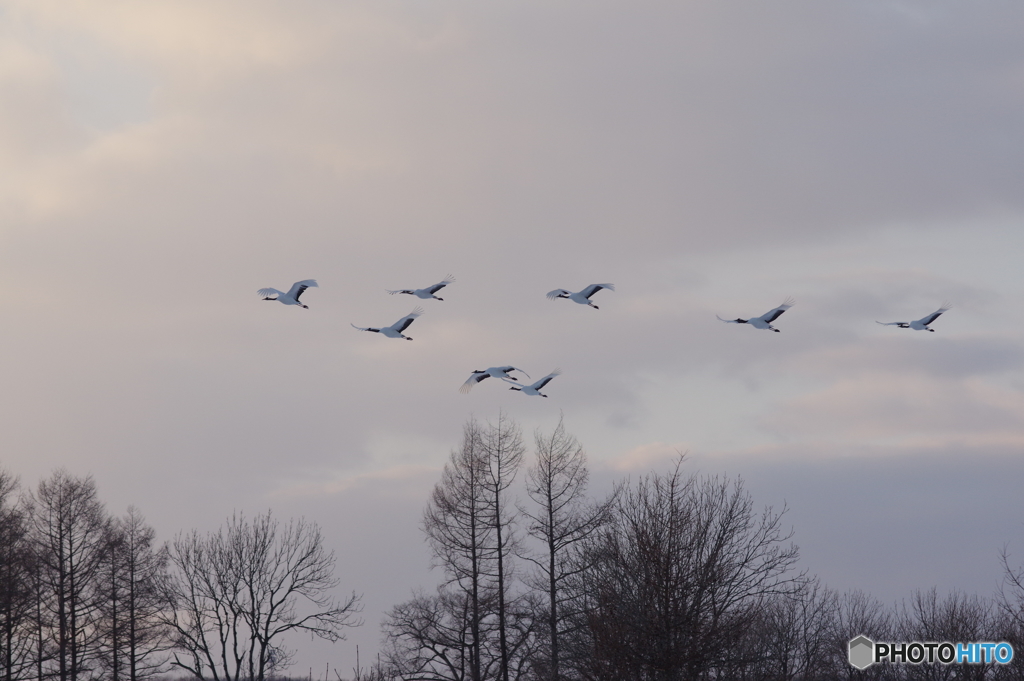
<point x="790" y="639"/>
<point x="503" y="451"/>
<point x="476" y="627"/>
<point x="429" y="638"/>
<point x="135" y="635"/>
<point x="677" y="577"/>
<point x="957" y="617"/>
<point x="239" y="591"/>
<point x="1010" y="602"/>
<point x="557" y="483"/>
<point x="16" y="581"/>
<point x="70" y="531"/>
<point x="461" y="537"/>
<point x="859" y="613"/>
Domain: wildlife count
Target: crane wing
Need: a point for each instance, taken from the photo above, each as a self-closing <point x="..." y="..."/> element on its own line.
<point x="594" y="288"/>
<point x="935" y="315"/>
<point x="473" y="380"/>
<point x="267" y="292"/>
<point x="403" y="323"/>
<point x="772" y="315"/>
<point x="298" y="287"/>
<point x="401" y="290"/>
<point x="732" y="321"/>
<point x="440" y="285"/>
<point x="547" y="379"/>
<point x="507" y="369"/>
<point x="558" y="293"/>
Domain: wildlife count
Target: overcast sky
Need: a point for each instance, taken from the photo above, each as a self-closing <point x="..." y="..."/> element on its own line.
<point x="160" y="162"/>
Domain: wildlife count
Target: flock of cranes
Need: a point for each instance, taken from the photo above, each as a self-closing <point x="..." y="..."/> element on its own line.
<point x="581" y="297"/>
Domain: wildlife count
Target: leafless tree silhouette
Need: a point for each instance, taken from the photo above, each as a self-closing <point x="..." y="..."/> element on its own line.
<point x="135" y="636"/>
<point x="503" y="451"/>
<point x="563" y="517"/>
<point x="956" y="617"/>
<point x="790" y="638"/>
<point x="462" y="539"/>
<point x="677" y="577"/>
<point x="238" y="592"/>
<point x="17" y="596"/>
<point x="475" y="628"/>
<point x="70" y="531"/>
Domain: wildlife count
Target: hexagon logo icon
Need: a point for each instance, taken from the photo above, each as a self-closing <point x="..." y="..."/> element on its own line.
<point x="862" y="652"/>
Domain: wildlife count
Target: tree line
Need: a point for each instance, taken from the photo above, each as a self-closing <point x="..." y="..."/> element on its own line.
<point x="675" y="577"/>
<point x="85" y="595"/>
<point x="672" y="577"/>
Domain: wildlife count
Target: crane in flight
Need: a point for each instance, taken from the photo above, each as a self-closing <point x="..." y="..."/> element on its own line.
<point x="581" y="297"/>
<point x="427" y="292"/>
<point x="292" y="297"/>
<point x="535" y="388"/>
<point x="765" y="320"/>
<point x="396" y="329"/>
<point x="922" y="323"/>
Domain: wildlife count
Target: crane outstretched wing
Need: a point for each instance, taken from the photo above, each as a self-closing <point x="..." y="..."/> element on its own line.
<point x="473" y="380"/>
<point x="267" y="292"/>
<point x="772" y="315"/>
<point x="558" y="293"/>
<point x="594" y="288"/>
<point x="547" y="379"/>
<point x="935" y="315"/>
<point x="298" y="287"/>
<point x="403" y="323"/>
<point x="441" y="284"/>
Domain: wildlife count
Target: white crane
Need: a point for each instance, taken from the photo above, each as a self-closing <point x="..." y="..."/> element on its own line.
<point x="535" y="388"/>
<point x="428" y="292"/>
<point x="495" y="372"/>
<point x="396" y="329"/>
<point x="292" y="297"/>
<point x="922" y="323"/>
<point x="581" y="297"/>
<point x="765" y="320"/>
